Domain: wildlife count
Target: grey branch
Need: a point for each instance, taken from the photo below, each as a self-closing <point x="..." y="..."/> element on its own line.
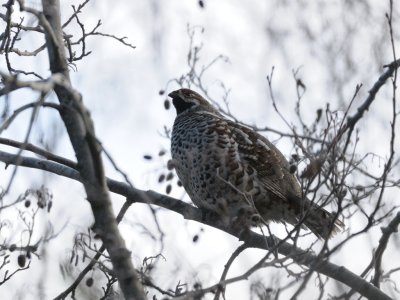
<point x="11" y="83"/>
<point x="383" y="241"/>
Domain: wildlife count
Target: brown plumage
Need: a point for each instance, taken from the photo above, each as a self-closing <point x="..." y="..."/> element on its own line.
<point x="234" y="171"/>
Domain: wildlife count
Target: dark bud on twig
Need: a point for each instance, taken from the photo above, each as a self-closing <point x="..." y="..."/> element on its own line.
<point x="319" y="114"/>
<point x="295" y="157"/>
<point x="292" y="169"/>
<point x="300" y="84"/>
<point x="359" y="188"/>
<point x="41" y="204"/>
<point x="21" y="260"/>
<point x="170" y="176"/>
<point x="167" y="104"/>
<point x="89" y="281"/>
<point x="197" y="286"/>
<point x="168" y="189"/>
<point x="161" y="178"/>
<point x="343" y="193"/>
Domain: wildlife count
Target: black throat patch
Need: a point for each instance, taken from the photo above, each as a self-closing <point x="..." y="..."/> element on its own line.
<point x="181" y="105"/>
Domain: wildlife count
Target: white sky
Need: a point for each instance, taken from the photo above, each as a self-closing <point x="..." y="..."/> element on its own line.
<point x="120" y="87"/>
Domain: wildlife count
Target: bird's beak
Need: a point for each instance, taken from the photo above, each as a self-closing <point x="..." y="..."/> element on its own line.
<point x="173" y="94"/>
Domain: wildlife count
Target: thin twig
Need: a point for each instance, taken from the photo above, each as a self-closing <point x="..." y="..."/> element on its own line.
<point x="383" y="241"/>
<point x="228" y="264"/>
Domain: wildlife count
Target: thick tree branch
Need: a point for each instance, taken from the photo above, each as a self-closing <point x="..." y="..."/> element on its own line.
<point x="189" y="212"/>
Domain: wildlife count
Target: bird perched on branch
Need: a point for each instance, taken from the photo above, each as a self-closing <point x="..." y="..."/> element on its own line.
<point x="234" y="171"/>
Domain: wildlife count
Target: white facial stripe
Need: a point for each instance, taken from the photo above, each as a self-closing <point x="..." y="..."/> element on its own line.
<point x="260" y="142"/>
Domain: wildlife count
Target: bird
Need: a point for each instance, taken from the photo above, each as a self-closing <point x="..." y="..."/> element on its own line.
<point x="233" y="171"/>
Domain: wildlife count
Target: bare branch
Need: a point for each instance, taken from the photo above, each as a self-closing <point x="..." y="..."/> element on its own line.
<point x="8" y="121"/>
<point x="12" y="83"/>
<point x="231" y="259"/>
<point x="46" y="154"/>
<point x="7" y="17"/>
<point x="352" y="121"/>
<point x="76" y="11"/>
<point x="383" y="241"/>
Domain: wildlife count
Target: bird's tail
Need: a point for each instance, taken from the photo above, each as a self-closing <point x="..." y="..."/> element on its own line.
<point x="321" y="222"/>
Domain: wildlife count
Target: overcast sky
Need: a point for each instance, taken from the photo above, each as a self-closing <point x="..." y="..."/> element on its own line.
<point x="334" y="46"/>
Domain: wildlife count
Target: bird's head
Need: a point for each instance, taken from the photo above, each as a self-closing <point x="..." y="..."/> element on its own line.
<point x="188" y="100"/>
